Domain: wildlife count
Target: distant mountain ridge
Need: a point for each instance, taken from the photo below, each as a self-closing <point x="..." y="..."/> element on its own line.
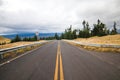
<point x="22" y="35"/>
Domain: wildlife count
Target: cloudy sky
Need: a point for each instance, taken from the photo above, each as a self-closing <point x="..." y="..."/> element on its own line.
<point x="55" y="15"/>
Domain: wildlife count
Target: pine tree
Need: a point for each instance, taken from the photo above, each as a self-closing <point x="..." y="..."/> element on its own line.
<point x="17" y="38"/>
<point x="114" y="30"/>
<point x="99" y="29"/>
<point x="56" y="36"/>
<point x="85" y="33"/>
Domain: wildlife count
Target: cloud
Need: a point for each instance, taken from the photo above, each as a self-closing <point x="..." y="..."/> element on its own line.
<point x="5" y="30"/>
<point x="55" y="15"/>
<point x="1" y="2"/>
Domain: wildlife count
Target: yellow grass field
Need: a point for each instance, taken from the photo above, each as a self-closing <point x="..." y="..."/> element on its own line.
<point x="99" y="49"/>
<point x="110" y="39"/>
<point x="9" y="45"/>
<point x="4" y="40"/>
<point x="14" y="44"/>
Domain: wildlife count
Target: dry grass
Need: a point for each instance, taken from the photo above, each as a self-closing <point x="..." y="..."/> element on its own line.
<point x="11" y="54"/>
<point x="4" y="40"/>
<point x="15" y="53"/>
<point x="20" y="51"/>
<point x="16" y="44"/>
<point x="110" y="39"/>
<point x="100" y="49"/>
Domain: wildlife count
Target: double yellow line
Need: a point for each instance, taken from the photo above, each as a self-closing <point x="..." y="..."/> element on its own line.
<point x="59" y="60"/>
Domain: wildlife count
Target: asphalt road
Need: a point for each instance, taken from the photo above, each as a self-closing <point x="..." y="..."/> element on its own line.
<point x="37" y="65"/>
<point x="78" y="64"/>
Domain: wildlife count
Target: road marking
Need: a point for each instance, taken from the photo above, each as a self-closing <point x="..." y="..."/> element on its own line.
<point x="58" y="58"/>
<point x="61" y="69"/>
<point x="56" y="69"/>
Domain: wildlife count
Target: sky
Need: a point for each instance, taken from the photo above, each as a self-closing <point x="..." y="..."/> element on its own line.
<point x="55" y="15"/>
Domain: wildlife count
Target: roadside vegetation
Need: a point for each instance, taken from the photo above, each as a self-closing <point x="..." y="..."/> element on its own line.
<point x="99" y="49"/>
<point x="4" y="40"/>
<point x="109" y="39"/>
<point x="98" y="34"/>
<point x="18" y="41"/>
<point x="14" y="44"/>
<point x="99" y="29"/>
<point x="11" y="54"/>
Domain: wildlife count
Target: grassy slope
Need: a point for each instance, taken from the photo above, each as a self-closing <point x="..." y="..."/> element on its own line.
<point x="110" y="39"/>
<point x="4" y="40"/>
<point x="16" y="44"/>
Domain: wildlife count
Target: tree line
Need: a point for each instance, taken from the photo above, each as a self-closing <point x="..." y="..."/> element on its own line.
<point x="18" y="38"/>
<point x="99" y="29"/>
<point x="35" y="38"/>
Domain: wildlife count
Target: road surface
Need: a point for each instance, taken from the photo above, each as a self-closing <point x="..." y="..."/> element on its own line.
<point x="59" y="60"/>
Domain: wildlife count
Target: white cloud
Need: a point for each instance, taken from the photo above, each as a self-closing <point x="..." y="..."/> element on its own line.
<point x="55" y="15"/>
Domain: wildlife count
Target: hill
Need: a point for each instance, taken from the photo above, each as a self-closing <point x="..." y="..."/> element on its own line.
<point x="109" y="39"/>
<point x="4" y="40"/>
<point x="15" y="44"/>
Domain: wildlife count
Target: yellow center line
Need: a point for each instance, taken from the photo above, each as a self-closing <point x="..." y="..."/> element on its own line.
<point x="61" y="69"/>
<point x="56" y="69"/>
<point x="61" y="66"/>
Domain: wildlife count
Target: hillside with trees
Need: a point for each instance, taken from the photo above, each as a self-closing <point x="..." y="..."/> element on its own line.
<point x="99" y="29"/>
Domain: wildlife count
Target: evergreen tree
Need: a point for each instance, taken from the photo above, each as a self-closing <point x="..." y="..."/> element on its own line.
<point x="25" y="39"/>
<point x="84" y="22"/>
<point x="62" y="36"/>
<point x="17" y="38"/>
<point x="35" y="38"/>
<point x="99" y="29"/>
<point x="56" y="36"/>
<point x="85" y="33"/>
<point x="69" y="34"/>
<point x="74" y="34"/>
<point x="114" y="30"/>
